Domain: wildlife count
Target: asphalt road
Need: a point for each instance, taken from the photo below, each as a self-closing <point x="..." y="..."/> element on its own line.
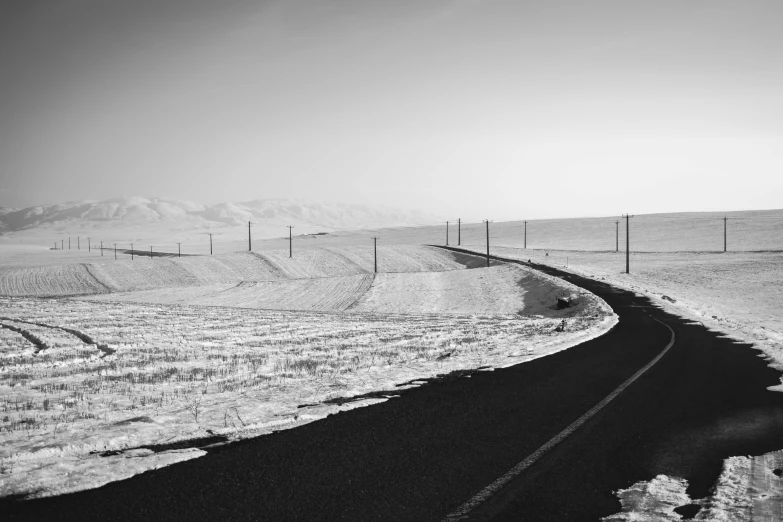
<point x="422" y="455"/>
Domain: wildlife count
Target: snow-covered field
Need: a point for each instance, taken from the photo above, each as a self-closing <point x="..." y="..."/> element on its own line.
<point x="324" y="294"/>
<point x="86" y="383"/>
<point x="49" y="280"/>
<point x="504" y="289"/>
<point x="104" y="274"/>
<point x="737" y="293"/>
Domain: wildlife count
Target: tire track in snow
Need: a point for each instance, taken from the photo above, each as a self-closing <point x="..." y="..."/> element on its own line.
<point x="95" y="277"/>
<point x="86" y="339"/>
<point x="349" y="260"/>
<point x="365" y="290"/>
<point x="273" y="268"/>
<point x="35" y="340"/>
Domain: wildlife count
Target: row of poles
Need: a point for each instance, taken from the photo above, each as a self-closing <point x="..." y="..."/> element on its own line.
<point x="459" y="232"/>
<point x="133" y="250"/>
<point x="627" y="218"/>
<point x="114" y="247"/>
<point x="179" y="245"/>
<point x="628" y="239"/>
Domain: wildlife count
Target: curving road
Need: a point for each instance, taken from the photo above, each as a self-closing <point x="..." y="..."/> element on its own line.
<point x="425" y="454"/>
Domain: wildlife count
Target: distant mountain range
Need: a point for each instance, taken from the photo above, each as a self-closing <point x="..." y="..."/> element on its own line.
<point x="159" y="214"/>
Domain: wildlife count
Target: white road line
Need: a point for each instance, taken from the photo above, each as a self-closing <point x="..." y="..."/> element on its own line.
<point x="462" y="512"/>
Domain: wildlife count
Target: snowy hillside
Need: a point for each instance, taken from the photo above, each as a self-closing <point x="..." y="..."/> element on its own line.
<point x="143" y="217"/>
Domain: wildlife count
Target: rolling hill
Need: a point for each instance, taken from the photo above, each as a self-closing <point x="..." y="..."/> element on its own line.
<point x="130" y="218"/>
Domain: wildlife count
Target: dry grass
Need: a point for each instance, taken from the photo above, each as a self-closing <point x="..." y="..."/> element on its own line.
<point x="170" y="357"/>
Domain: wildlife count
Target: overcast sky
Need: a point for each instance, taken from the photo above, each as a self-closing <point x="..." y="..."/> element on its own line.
<point x="464" y="108"/>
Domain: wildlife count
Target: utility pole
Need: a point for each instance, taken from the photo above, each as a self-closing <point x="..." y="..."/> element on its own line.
<point x="69" y="243"/>
<point x="115" y="250"/>
<point x="249" y="243"/>
<point x="447" y="233"/>
<point x="617" y="236"/>
<point x="487" y="222"/>
<point x="525" y="222"/>
<point x="724" y="232"/>
<point x="210" y="243"/>
<point x="375" y="252"/>
<point x="179" y="249"/>
<point x="131" y="251"/>
<point x="459" y="232"/>
<point x="62" y="244"/>
<point x="89" y="247"/>
<point x="290" y="241"/>
<point x="627" y="243"/>
<point x="150" y="252"/>
<point x="101" y="248"/>
<point x="78" y="243"/>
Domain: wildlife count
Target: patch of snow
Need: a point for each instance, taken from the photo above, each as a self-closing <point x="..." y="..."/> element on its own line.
<point x="42" y="475"/>
<point x="652" y="501"/>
